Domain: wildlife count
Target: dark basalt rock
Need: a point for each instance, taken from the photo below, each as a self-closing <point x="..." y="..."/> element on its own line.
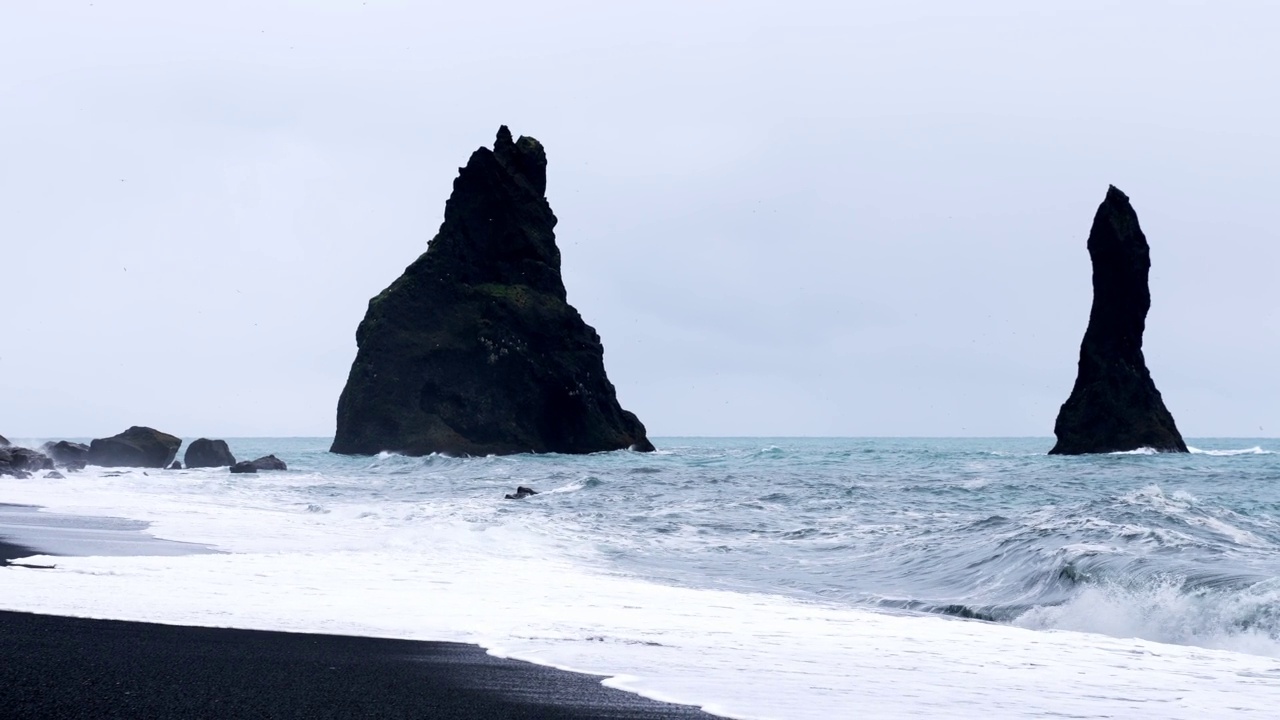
<point x="69" y="455"/>
<point x="28" y="460"/>
<point x="474" y="350"/>
<point x="20" y="462"/>
<point x="270" y="462"/>
<point x="1114" y="405"/>
<point x="54" y="475"/>
<point x="135" y="447"/>
<point x="175" y="465"/>
<point x="208" y="453"/>
<point x="244" y="466"/>
<point x="521" y="493"/>
<point x="3" y="442"/>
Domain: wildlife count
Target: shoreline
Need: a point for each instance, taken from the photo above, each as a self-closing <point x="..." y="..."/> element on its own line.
<point x="11" y="551"/>
<point x="33" y="528"/>
<point x="63" y="666"/>
<point x="58" y="666"/>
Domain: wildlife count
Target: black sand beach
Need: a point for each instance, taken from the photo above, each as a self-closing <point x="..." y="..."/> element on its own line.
<point x="62" y="667"/>
<point x="10" y="551"/>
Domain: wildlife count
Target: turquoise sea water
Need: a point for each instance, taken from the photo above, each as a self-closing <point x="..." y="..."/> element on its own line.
<point x="1175" y="548"/>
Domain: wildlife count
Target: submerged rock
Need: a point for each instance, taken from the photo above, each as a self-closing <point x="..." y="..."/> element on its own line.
<point x="1114" y="405"/>
<point x="262" y="464"/>
<point x="135" y="447"/>
<point x="270" y="462"/>
<point x="208" y="453"/>
<point x="521" y="493"/>
<point x="54" y="475"/>
<point x="175" y="465"/>
<point x="475" y="350"/>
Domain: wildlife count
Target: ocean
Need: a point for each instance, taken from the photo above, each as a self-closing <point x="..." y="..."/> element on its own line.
<point x="755" y="577"/>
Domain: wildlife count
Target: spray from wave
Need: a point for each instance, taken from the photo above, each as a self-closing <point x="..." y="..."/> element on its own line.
<point x="1172" y="609"/>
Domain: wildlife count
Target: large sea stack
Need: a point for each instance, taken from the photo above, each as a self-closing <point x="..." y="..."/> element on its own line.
<point x="474" y="350"/>
<point x="1114" y="406"/>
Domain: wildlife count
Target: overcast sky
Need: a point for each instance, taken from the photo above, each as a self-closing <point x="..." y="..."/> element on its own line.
<point x="784" y="218"/>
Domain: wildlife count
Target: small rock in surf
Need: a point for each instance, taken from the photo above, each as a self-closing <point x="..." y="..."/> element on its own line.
<point x="203" y="453"/>
<point x="270" y="462"/>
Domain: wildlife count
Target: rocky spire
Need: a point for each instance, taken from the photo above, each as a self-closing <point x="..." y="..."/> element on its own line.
<point x="1114" y="405"/>
<point x="474" y="349"/>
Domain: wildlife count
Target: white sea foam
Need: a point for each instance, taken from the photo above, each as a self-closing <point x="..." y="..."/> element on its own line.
<point x="1255" y="450"/>
<point x="429" y="570"/>
<point x="1179" y="504"/>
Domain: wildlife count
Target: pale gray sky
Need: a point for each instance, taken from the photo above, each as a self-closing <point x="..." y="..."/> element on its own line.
<point x="792" y="218"/>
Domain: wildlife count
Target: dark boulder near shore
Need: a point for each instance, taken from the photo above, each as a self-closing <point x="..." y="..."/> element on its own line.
<point x="20" y="462"/>
<point x="135" y="447"/>
<point x="270" y="462"/>
<point x="475" y="350"/>
<point x="262" y="464"/>
<point x="521" y="493"/>
<point x="204" y="453"/>
<point x="3" y="442"/>
<point x="1115" y="406"/>
<point x="27" y="459"/>
<point x="66" y="454"/>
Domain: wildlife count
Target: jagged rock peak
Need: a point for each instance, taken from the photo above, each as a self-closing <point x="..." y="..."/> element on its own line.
<point x="503" y="141"/>
<point x="1114" y="405"/>
<point x="475" y="350"/>
<point x="498" y="226"/>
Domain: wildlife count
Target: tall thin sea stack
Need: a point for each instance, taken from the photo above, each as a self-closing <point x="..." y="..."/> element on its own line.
<point x="475" y="350"/>
<point x="1115" y="406"/>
